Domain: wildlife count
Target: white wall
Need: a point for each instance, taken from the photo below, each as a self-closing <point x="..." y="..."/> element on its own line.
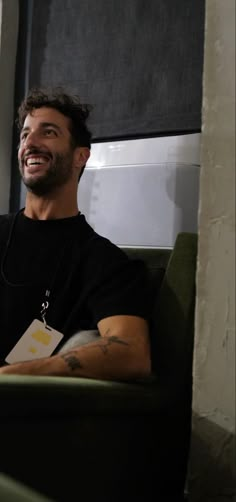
<point x="142" y="192"/>
<point x="212" y="456"/>
<point x="8" y="45"/>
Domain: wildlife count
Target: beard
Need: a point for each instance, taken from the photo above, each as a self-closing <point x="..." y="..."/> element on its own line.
<point x="56" y="175"/>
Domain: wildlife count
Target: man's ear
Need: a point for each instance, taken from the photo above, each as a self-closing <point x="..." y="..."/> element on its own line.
<point x="81" y="156"/>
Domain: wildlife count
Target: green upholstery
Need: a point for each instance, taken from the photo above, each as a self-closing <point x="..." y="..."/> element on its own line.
<point x="12" y="491"/>
<point x="74" y="438"/>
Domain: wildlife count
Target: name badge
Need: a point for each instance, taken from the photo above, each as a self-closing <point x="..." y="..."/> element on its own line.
<point x="38" y="341"/>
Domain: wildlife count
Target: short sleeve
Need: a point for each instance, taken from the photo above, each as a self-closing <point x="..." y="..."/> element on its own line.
<point x="116" y="285"/>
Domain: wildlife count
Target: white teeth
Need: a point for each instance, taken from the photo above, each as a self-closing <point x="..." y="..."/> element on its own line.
<point x="35" y="160"/>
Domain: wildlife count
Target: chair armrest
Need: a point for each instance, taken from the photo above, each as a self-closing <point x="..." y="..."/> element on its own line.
<point x="44" y="396"/>
<point x="11" y="490"/>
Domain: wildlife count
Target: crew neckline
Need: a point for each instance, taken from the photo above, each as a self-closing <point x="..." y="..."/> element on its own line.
<point x="51" y="221"/>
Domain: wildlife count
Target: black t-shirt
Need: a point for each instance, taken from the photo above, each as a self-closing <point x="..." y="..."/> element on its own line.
<point x="89" y="278"/>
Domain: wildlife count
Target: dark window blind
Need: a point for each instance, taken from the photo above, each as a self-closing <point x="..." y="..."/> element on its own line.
<point x="138" y="62"/>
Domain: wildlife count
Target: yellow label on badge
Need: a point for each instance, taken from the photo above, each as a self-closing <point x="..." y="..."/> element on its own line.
<point x="42" y="337"/>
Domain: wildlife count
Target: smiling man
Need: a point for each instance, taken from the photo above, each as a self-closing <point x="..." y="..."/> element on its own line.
<point x="59" y="279"/>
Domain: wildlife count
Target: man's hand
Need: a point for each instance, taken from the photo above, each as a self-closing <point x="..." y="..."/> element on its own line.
<point x="2" y="370"/>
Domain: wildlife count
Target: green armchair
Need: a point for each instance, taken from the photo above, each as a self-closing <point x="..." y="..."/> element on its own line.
<point x="81" y="439"/>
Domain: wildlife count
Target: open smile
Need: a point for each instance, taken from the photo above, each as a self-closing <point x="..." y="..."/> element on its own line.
<point x="36" y="162"/>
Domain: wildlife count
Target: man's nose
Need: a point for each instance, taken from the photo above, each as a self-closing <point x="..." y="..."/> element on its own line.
<point x="32" y="140"/>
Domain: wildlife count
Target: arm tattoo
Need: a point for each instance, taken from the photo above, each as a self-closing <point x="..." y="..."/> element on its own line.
<point x="110" y="341"/>
<point x="72" y="361"/>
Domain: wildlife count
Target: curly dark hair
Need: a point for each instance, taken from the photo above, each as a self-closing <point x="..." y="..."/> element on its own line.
<point x="68" y="105"/>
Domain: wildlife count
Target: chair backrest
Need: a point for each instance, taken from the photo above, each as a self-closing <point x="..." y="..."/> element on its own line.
<point x="172" y="337"/>
<point x="172" y="276"/>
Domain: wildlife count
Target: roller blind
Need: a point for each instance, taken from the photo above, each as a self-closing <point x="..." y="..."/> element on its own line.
<point x="138" y="62"/>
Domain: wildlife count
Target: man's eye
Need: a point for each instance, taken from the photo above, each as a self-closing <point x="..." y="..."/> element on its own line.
<point x="50" y="132"/>
<point x="23" y="136"/>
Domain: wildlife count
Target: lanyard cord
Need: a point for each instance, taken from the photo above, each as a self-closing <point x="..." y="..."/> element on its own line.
<point x="9" y="283"/>
<point x="45" y="303"/>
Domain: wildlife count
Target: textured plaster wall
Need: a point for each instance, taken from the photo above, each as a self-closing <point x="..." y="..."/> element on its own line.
<point x="8" y="45"/>
<point x="212" y="463"/>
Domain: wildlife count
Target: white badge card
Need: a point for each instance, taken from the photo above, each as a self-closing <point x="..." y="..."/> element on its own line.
<point x="38" y="341"/>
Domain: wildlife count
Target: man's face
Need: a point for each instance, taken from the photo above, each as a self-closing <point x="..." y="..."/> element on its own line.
<point x="45" y="155"/>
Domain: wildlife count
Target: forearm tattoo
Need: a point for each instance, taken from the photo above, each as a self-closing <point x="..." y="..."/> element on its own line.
<point x="109" y="341"/>
<point x="72" y="361"/>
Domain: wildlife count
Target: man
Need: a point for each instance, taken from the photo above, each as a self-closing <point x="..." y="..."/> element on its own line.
<point x="58" y="276"/>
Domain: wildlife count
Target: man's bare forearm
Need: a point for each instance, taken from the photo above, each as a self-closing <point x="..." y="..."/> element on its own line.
<point x="108" y="358"/>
